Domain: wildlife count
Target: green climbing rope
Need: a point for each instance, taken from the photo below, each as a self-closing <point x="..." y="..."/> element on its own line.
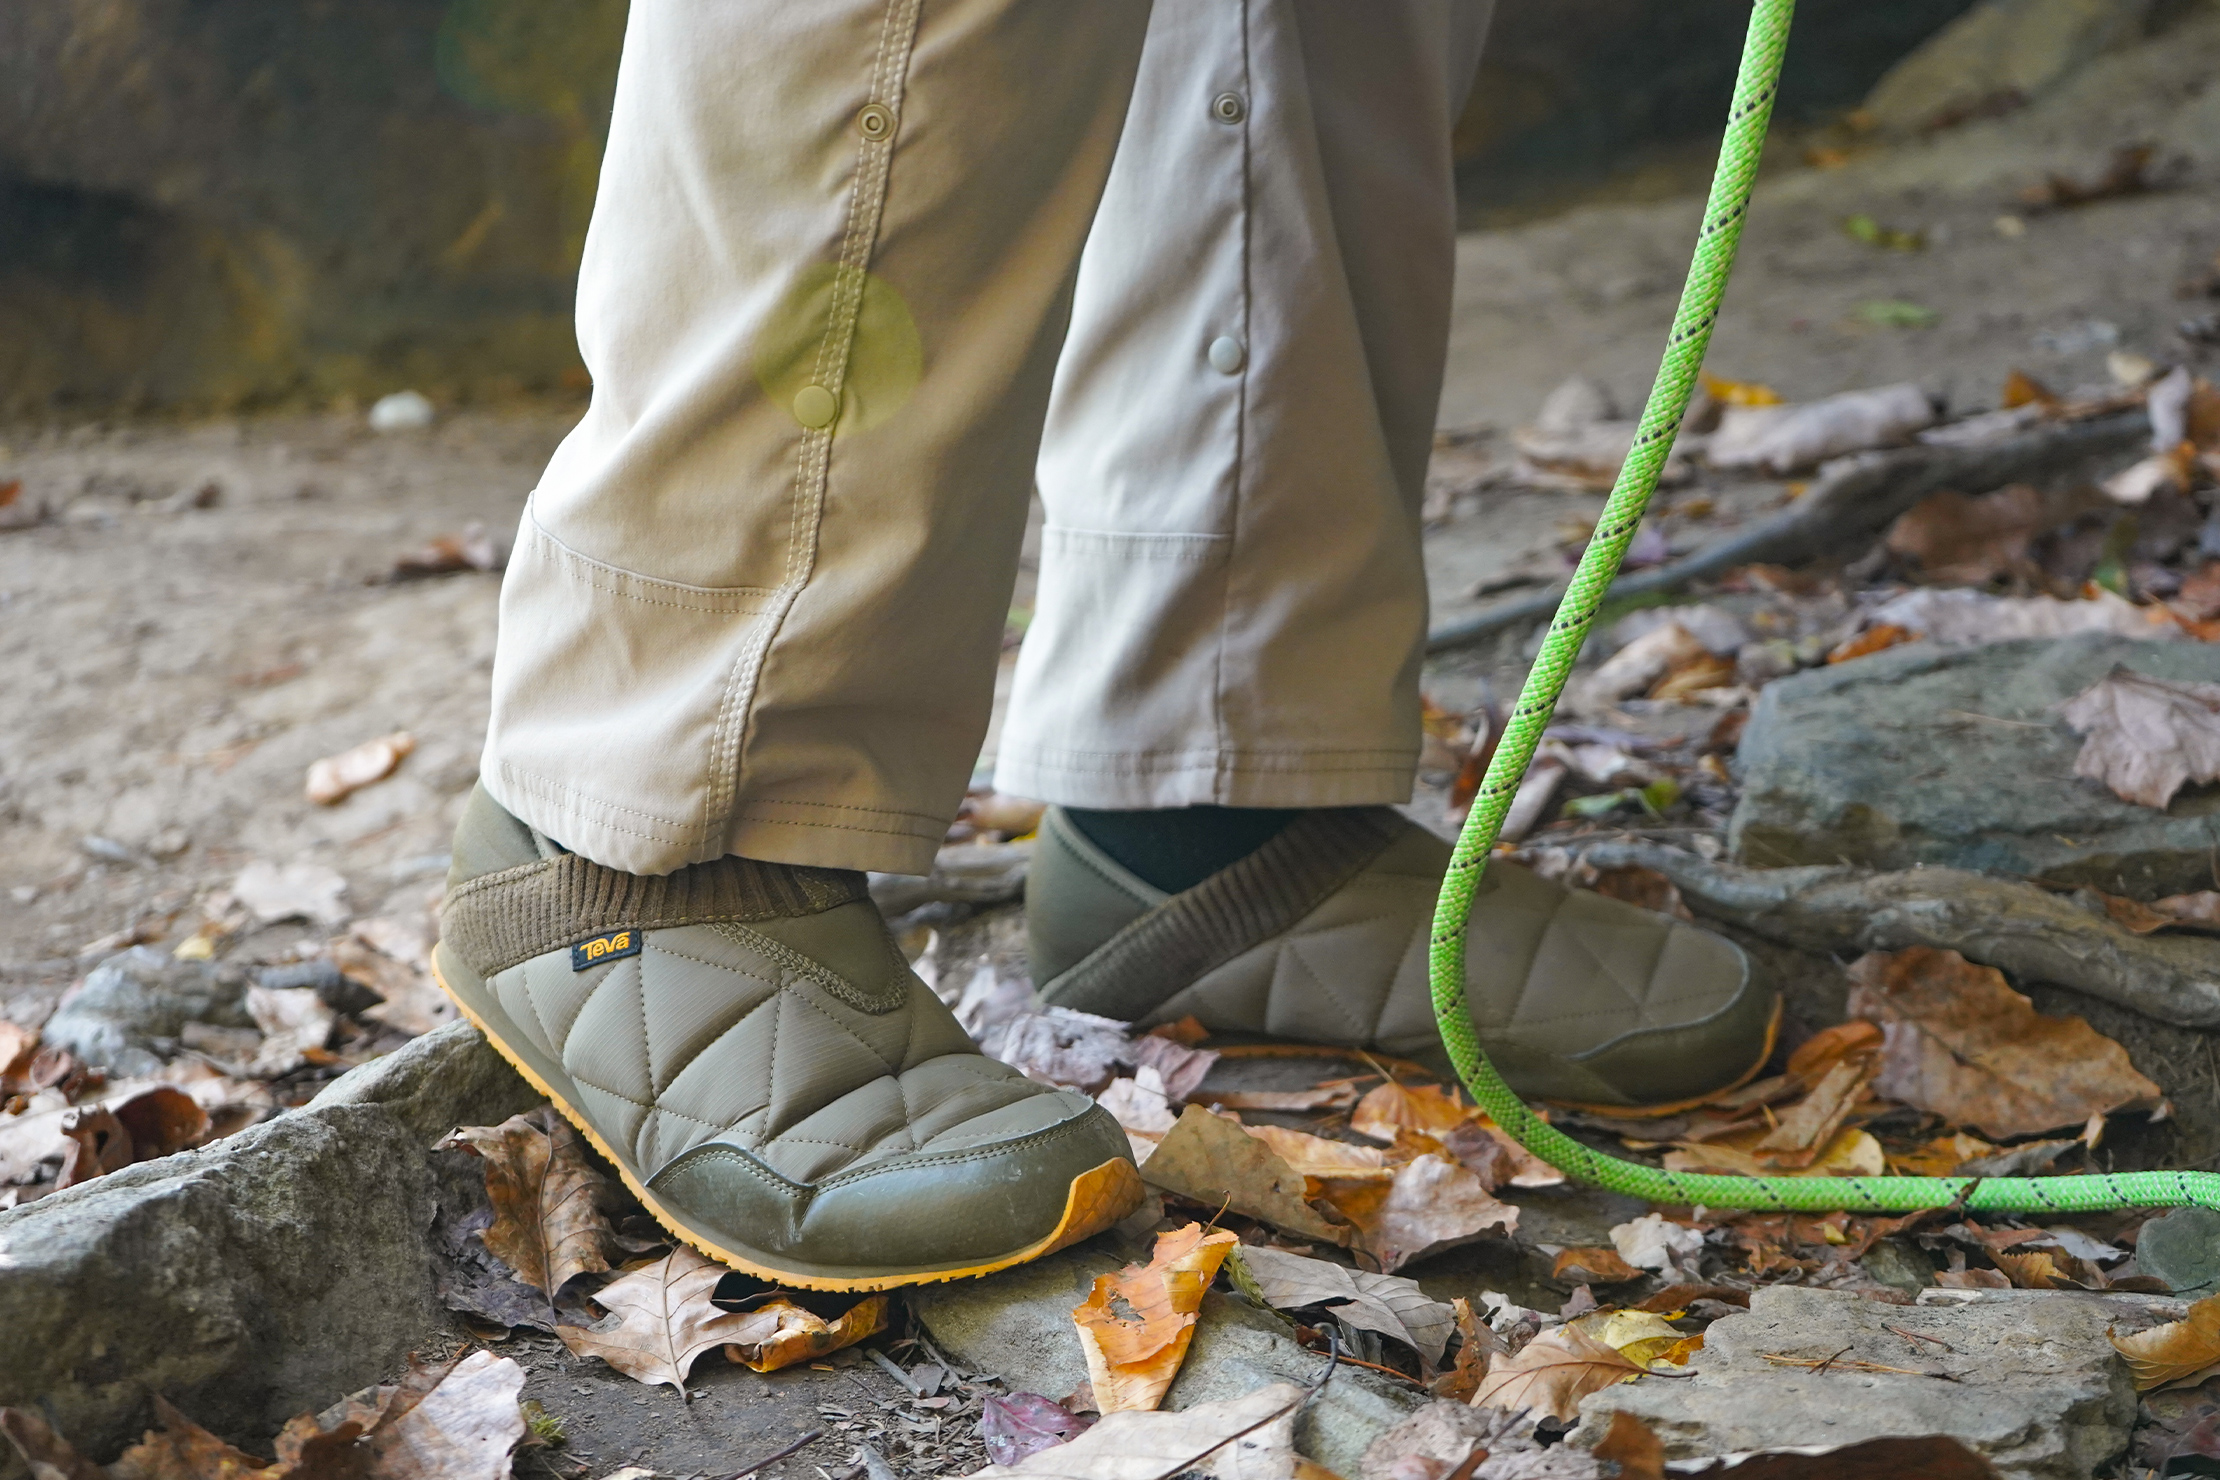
<point x="1653" y="441"/>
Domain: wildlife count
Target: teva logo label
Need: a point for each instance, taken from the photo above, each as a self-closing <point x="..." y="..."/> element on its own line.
<point x="614" y="946"/>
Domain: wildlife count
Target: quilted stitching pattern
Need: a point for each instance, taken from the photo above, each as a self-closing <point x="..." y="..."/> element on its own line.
<point x="1353" y="969"/>
<point x="706" y="1037"/>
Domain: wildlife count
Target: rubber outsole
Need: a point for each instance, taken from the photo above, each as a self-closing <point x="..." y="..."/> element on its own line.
<point x="1095" y="1199"/>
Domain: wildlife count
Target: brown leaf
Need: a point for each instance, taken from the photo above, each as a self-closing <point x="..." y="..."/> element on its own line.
<point x="161" y="1121"/>
<point x="2199" y="596"/>
<point x="1644" y="888"/>
<point x="664" y="1320"/>
<point x="1182" y="1068"/>
<point x="1135" y="1325"/>
<point x="545" y="1225"/>
<point x="1703" y="671"/>
<point x="2022" y="389"/>
<point x="48" y="1454"/>
<point x="1962" y="1044"/>
<point x="337" y="777"/>
<point x="2124" y="174"/>
<point x="473" y="549"/>
<point x="1640" y="1454"/>
<point x="1213" y="1160"/>
<point x="1598" y="1266"/>
<point x="98" y="1144"/>
<point x="1431" y="1110"/>
<point x="1941" y="1156"/>
<point x="1375" y="1302"/>
<point x="2199" y="911"/>
<point x="1808" y="1127"/>
<point x="783" y="1333"/>
<point x="1478" y="1346"/>
<point x="18" y="1046"/>
<point x="180" y="1449"/>
<point x="295" y="1023"/>
<point x="2177" y="1354"/>
<point x="1879" y="637"/>
<point x="1432" y="1203"/>
<point x="1552" y="1373"/>
<point x="1962" y="539"/>
<point x="2147" y="737"/>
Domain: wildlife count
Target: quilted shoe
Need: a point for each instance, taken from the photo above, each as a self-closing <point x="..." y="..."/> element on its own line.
<point x="746" y="1044"/>
<point x="1321" y="935"/>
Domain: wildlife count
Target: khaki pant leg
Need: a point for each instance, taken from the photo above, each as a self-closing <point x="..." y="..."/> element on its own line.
<point x="1232" y="601"/>
<point x="734" y="623"/>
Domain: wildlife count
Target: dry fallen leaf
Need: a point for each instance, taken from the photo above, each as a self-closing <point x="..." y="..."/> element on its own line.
<point x="1430" y="1110"/>
<point x="337" y="777"/>
<point x="2199" y="911"/>
<point x="1214" y="1160"/>
<point x="1432" y="1203"/>
<point x="473" y="549"/>
<point x="18" y="1046"/>
<point x="1245" y="1438"/>
<point x="1852" y="1153"/>
<point x="1552" y="1373"/>
<point x="1024" y="1424"/>
<point x="458" y="1421"/>
<point x="292" y="891"/>
<point x="545" y="1225"/>
<point x="1941" y="1156"/>
<point x="1373" y="1302"/>
<point x="662" y="1321"/>
<point x="781" y="1333"/>
<point x="1135" y="1325"/>
<point x="1593" y="1266"/>
<point x="295" y="1022"/>
<point x="2147" y="737"/>
<point x="1962" y="1044"/>
<point x="2178" y="1354"/>
<point x="545" y="1221"/>
<point x="1058" y="1045"/>
<point x="1789" y="439"/>
<point x="1958" y="618"/>
<point x="1962" y="539"/>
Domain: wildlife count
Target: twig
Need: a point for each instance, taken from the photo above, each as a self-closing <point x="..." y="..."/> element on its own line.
<point x="1921" y="1336"/>
<point x="1855" y="1364"/>
<point x="771" y="1459"/>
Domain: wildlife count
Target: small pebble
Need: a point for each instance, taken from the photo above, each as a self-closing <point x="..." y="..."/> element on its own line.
<point x="403" y="411"/>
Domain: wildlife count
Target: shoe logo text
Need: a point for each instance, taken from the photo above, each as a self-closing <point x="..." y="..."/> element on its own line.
<point x="614" y="946"/>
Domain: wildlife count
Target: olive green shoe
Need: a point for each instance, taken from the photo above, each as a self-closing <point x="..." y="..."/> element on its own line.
<point x="1321" y="935"/>
<point x="746" y="1044"/>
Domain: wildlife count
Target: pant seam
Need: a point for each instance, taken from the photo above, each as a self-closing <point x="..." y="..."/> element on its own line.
<point x="568" y="796"/>
<point x="813" y="458"/>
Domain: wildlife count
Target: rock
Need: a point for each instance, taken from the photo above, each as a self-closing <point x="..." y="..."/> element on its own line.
<point x="2183" y="1249"/>
<point x="1999" y="54"/>
<point x="449" y="1077"/>
<point x="132" y="1001"/>
<point x="253" y="1279"/>
<point x="246" y="1282"/>
<point x="2038" y="1390"/>
<point x="1923" y="756"/>
<point x="1018" y="1325"/>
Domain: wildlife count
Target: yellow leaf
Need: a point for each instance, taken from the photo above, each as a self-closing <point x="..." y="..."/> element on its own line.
<point x="1740" y="392"/>
<point x="781" y="1333"/>
<point x="2177" y="1353"/>
<point x="1636" y="1335"/>
<point x="1134" y="1326"/>
<point x="1429" y="1110"/>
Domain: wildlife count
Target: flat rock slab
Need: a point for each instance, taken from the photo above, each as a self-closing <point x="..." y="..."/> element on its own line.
<point x="2034" y="1385"/>
<point x="1017" y="1325"/>
<point x="1957" y="756"/>
<point x="253" y="1279"/>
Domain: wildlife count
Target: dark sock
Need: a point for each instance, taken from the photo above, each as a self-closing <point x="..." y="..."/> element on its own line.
<point x="1179" y="847"/>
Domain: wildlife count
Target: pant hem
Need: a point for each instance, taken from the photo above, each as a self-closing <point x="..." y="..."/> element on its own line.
<point x="879" y="844"/>
<point x="1317" y="779"/>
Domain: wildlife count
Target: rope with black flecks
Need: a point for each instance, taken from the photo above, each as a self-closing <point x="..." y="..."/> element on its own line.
<point x="1630" y="497"/>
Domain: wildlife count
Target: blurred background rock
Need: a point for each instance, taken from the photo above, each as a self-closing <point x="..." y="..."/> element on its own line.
<point x="223" y="203"/>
